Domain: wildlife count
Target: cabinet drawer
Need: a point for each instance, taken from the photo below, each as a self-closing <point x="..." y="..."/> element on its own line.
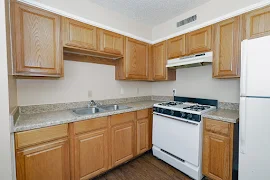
<point x="90" y="125"/>
<point x="122" y="118"/>
<point x="217" y="127"/>
<point x="142" y="114"/>
<point x="36" y="136"/>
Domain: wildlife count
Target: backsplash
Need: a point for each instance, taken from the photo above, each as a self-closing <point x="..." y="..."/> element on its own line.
<point x="64" y="106"/>
<point x="32" y="109"/>
<point x="227" y="105"/>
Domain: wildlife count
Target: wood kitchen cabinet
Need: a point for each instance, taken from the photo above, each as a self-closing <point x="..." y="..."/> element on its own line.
<point x="160" y="72"/>
<point x="218" y="149"/>
<point x="176" y="47"/>
<point x="136" y="59"/>
<point x="37" y="49"/>
<point x="226" y="48"/>
<point x="111" y="42"/>
<point x="199" y="41"/>
<point x="90" y="148"/>
<point x="83" y="149"/>
<point x="256" y="23"/>
<point x="142" y="128"/>
<point x="79" y="35"/>
<point x="122" y="138"/>
<point x="43" y="154"/>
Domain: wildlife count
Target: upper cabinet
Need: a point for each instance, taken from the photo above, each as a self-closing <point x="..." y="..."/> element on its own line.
<point x="256" y="23"/>
<point x="160" y="72"/>
<point x="176" y="47"/>
<point x="159" y="61"/>
<point x="111" y="42"/>
<point x="79" y="35"/>
<point x="37" y="49"/>
<point x="199" y="40"/>
<point x="226" y="48"/>
<point x="136" y="59"/>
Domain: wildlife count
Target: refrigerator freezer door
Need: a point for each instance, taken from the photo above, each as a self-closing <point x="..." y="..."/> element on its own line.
<point x="255" y="72"/>
<point x="254" y="154"/>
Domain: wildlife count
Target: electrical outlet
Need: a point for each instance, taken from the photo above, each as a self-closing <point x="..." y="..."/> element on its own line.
<point x="89" y="93"/>
<point x="122" y="91"/>
<point x="174" y="92"/>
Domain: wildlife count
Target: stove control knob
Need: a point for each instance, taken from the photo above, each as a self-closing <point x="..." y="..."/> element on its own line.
<point x="161" y="110"/>
<point x="189" y="116"/>
<point x="182" y="114"/>
<point x="172" y="112"/>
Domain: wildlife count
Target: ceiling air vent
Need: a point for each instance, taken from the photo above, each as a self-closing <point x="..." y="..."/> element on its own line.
<point x="186" y="21"/>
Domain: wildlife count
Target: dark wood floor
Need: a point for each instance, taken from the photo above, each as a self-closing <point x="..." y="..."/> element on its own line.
<point x="146" y="167"/>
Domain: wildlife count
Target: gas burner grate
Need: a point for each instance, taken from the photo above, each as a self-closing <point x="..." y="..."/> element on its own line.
<point x="172" y="103"/>
<point x="197" y="108"/>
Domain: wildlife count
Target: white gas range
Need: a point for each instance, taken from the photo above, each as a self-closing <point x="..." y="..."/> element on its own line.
<point x="177" y="133"/>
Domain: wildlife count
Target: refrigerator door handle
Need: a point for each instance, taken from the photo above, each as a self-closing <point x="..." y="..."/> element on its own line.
<point x="243" y="77"/>
<point x="242" y="122"/>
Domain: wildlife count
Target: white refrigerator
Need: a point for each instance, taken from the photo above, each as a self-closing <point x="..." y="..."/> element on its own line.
<point x="254" y="121"/>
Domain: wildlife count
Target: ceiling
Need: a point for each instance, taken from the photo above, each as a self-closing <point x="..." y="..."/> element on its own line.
<point x="151" y="12"/>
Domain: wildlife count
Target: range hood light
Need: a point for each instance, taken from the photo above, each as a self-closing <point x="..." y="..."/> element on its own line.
<point x="191" y="61"/>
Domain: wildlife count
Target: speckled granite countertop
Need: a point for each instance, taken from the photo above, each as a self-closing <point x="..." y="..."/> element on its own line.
<point x="227" y="115"/>
<point x="45" y="119"/>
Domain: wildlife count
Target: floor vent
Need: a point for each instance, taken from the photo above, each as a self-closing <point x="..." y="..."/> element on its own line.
<point x="186" y="21"/>
<point x="172" y="155"/>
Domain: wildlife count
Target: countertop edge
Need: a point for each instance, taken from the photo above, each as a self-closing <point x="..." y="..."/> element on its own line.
<point x="219" y="118"/>
<point x="76" y="119"/>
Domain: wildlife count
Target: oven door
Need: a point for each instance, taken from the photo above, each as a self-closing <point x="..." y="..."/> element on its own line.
<point x="177" y="137"/>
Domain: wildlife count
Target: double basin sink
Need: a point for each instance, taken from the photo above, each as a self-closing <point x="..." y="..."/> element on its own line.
<point x="99" y="109"/>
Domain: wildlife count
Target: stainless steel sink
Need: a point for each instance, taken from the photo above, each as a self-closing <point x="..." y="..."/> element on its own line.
<point x="99" y="109"/>
<point x="113" y="107"/>
<point x="86" y="111"/>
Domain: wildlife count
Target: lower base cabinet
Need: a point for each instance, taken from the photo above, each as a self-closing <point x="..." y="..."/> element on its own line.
<point x="218" y="149"/>
<point x="142" y="135"/>
<point x="84" y="149"/>
<point x="122" y="140"/>
<point x="44" y="161"/>
<point x="91" y="154"/>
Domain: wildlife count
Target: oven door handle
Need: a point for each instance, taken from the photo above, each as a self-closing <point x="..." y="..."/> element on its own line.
<point x="179" y="119"/>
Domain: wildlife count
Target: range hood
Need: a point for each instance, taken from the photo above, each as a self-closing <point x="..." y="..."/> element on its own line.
<point x="191" y="61"/>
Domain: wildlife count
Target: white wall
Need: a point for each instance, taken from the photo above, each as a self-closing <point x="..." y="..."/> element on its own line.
<point x="207" y="12"/>
<point x="5" y="150"/>
<point x="79" y="78"/>
<point x="198" y="82"/>
<point x="100" y="15"/>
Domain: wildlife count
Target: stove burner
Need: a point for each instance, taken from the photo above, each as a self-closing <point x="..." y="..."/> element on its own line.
<point x="172" y="103"/>
<point x="197" y="108"/>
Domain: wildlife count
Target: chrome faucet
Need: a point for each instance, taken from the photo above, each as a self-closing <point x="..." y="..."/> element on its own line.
<point x="92" y="103"/>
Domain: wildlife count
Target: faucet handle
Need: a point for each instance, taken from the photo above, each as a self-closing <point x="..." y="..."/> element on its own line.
<point x="92" y="103"/>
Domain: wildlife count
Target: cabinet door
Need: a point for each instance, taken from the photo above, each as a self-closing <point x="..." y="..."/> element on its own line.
<point x="142" y="135"/>
<point x="80" y="35"/>
<point x="122" y="141"/>
<point x="37" y="42"/>
<point x="159" y="61"/>
<point x="257" y="23"/>
<point x="199" y="41"/>
<point x="176" y="47"/>
<point x="91" y="154"/>
<point x="110" y="42"/>
<point x="43" y="162"/>
<point x="226" y="48"/>
<point x="216" y="157"/>
<point x="136" y="59"/>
